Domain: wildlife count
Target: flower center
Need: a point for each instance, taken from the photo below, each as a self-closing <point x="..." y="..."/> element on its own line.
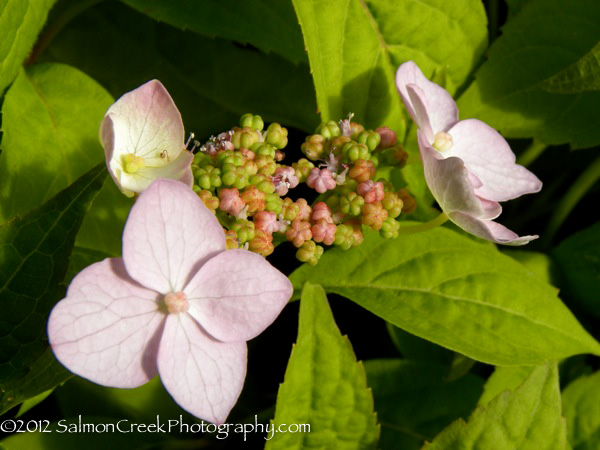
<point x="132" y="163"/>
<point x="177" y="302"/>
<point x="442" y="142"/>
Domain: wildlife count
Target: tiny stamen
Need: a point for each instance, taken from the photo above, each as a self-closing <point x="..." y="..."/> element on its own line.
<point x="177" y="302"/>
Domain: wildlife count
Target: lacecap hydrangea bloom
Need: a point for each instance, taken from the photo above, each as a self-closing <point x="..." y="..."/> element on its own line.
<point x="177" y="304"/>
<point x="469" y="167"/>
<point x="143" y="139"/>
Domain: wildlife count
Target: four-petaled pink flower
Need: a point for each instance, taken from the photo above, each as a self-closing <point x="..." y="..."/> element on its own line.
<point x="469" y="167"/>
<point x="177" y="305"/>
<point x="143" y="139"/>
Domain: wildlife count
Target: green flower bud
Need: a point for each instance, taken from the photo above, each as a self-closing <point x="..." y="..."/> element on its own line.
<point x="244" y="137"/>
<point x="333" y="201"/>
<point x="276" y="135"/>
<point x="389" y="229"/>
<point x="274" y="203"/>
<point x="354" y="151"/>
<point x="351" y="204"/>
<point x="202" y="160"/>
<point x="344" y="236"/>
<point x="290" y="209"/>
<point x="235" y="176"/>
<point x="329" y="130"/>
<point x="309" y="252"/>
<point x="370" y="138"/>
<point x="244" y="230"/>
<point x="263" y="183"/>
<point x="303" y="168"/>
<point x="263" y="148"/>
<point x="252" y="121"/>
<point x="208" y="177"/>
<point x="393" y="204"/>
<point x="314" y="147"/>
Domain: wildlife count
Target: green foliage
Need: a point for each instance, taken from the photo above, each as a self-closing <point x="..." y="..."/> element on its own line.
<point x="504" y="379"/>
<point x="582" y="412"/>
<point x="584" y="75"/>
<point x="539" y="263"/>
<point x="543" y="39"/>
<point x="51" y="116"/>
<point x="414" y="401"/>
<point x="457" y="293"/>
<point x="34" y="255"/>
<point x="527" y="418"/>
<point x="579" y="260"/>
<point x="269" y="25"/>
<point x="212" y="81"/>
<point x="20" y="22"/>
<point x="324" y="386"/>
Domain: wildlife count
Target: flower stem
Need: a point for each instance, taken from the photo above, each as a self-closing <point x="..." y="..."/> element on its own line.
<point x="424" y="226"/>
<point x="531" y="153"/>
<point x="578" y="189"/>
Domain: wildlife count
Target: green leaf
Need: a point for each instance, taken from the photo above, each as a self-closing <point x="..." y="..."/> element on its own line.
<point x="582" y="412"/>
<point x="212" y="81"/>
<point x="527" y="418"/>
<point x="82" y="257"/>
<point x="324" y="386"/>
<point x="414" y="401"/>
<point x="537" y="262"/>
<point x="269" y="25"/>
<point x="455" y="292"/>
<point x="504" y="379"/>
<point x="542" y="40"/>
<point x="355" y="47"/>
<point x="33" y="402"/>
<point x="578" y="257"/>
<point x="51" y="117"/>
<point x="584" y="75"/>
<point x="417" y="349"/>
<point x="20" y="22"/>
<point x="34" y="255"/>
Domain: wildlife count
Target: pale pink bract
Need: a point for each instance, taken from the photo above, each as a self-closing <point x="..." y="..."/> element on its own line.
<point x="177" y="304"/>
<point x="469" y="167"/>
<point x="143" y="138"/>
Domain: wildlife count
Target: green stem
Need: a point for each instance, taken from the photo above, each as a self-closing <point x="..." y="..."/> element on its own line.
<point x="531" y="153"/>
<point x="56" y="26"/>
<point x="424" y="226"/>
<point x="578" y="189"/>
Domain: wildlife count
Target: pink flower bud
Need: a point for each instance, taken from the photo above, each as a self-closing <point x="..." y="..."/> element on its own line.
<point x="305" y="210"/>
<point x="323" y="231"/>
<point x="321" y="180"/>
<point x="372" y="192"/>
<point x="266" y="221"/>
<point x="298" y="232"/>
<point x="321" y="211"/>
<point x="285" y="178"/>
<point x="231" y="202"/>
<point x="388" y="137"/>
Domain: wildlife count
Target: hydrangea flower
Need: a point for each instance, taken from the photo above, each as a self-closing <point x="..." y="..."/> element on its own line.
<point x="177" y="304"/>
<point x="143" y="139"/>
<point x="469" y="167"/>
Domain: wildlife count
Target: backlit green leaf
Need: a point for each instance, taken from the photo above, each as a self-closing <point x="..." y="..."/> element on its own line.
<point x="584" y="75"/>
<point x="545" y="38"/>
<point x="34" y="255"/>
<point x="20" y="22"/>
<point x="324" y="386"/>
<point x="51" y="117"/>
<point x="582" y="411"/>
<point x="456" y="292"/>
<point x="529" y="418"/>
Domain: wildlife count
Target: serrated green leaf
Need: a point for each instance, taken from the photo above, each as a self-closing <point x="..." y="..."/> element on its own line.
<point x="456" y="292"/>
<point x="351" y="67"/>
<point x="51" y="117"/>
<point x="269" y="25"/>
<point x="20" y="22"/>
<point x="34" y="255"/>
<point x="543" y="39"/>
<point x="504" y="379"/>
<point x="414" y="401"/>
<point x="212" y="81"/>
<point x="578" y="257"/>
<point x="582" y="412"/>
<point x="527" y="418"/>
<point x="584" y="75"/>
<point x="324" y="386"/>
